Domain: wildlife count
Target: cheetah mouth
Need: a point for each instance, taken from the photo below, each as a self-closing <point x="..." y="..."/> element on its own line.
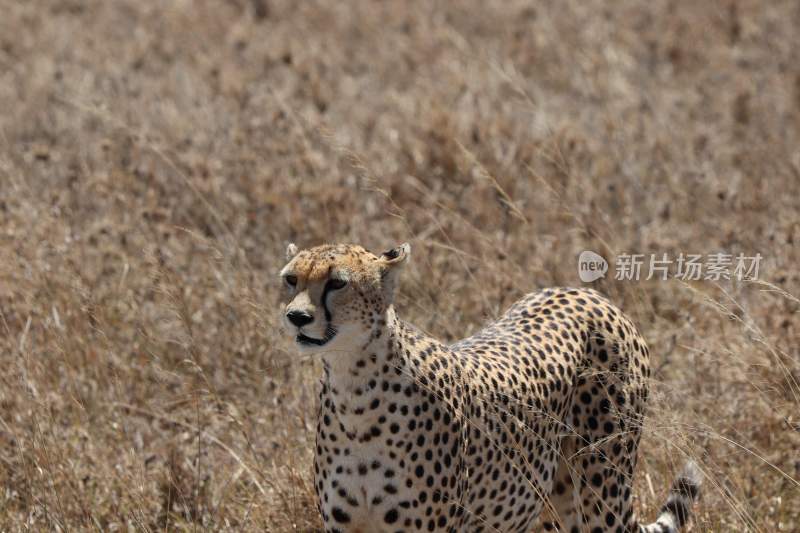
<point x="330" y="333"/>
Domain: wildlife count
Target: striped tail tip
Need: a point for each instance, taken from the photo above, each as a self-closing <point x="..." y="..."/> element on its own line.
<point x="684" y="493"/>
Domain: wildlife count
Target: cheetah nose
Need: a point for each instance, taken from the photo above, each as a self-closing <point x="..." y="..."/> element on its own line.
<point x="299" y="318"/>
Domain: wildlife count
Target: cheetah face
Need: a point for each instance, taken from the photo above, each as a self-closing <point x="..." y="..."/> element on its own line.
<point x="338" y="295"/>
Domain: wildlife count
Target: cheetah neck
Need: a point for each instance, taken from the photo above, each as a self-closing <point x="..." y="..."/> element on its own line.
<point x="355" y="383"/>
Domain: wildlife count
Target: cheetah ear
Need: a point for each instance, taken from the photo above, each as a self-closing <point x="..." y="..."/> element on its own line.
<point x="396" y="256"/>
<point x="291" y="251"/>
<point x="390" y="261"/>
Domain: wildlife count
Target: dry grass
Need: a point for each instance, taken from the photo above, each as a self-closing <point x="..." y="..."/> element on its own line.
<point x="154" y="162"/>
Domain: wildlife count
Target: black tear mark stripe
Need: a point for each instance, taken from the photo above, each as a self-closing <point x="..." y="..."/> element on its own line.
<point x="325" y="292"/>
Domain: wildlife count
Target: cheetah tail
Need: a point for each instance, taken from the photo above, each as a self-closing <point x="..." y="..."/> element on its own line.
<point x="675" y="512"/>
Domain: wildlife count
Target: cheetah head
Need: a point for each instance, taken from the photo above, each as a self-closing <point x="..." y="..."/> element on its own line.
<point x="338" y="295"/>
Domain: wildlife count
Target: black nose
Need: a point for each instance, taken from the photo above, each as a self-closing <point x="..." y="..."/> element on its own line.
<point x="299" y="318"/>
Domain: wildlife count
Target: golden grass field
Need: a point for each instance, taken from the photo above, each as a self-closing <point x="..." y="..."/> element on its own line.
<point x="156" y="158"/>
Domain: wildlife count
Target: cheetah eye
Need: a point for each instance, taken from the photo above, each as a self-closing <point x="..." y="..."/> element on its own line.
<point x="335" y="284"/>
<point x="291" y="281"/>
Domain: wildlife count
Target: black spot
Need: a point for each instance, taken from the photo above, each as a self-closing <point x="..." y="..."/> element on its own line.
<point x="391" y="516"/>
<point x="340" y="516"/>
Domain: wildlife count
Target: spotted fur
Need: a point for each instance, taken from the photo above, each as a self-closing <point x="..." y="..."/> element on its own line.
<point x="534" y="420"/>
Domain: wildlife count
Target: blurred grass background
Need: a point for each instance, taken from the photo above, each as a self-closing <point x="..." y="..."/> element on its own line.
<point x="155" y="159"/>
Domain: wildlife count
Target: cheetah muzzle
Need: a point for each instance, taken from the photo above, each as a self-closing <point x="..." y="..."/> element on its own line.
<point x="330" y="333"/>
<point x="533" y="421"/>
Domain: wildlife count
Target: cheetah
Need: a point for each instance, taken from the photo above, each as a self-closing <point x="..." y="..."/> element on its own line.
<point x="533" y="421"/>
